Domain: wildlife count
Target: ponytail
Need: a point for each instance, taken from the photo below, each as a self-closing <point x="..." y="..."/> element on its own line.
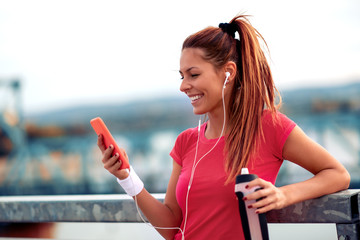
<point x="257" y="91"/>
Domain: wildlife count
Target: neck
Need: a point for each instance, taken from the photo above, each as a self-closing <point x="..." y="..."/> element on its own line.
<point x="215" y="125"/>
<point x="216" y="120"/>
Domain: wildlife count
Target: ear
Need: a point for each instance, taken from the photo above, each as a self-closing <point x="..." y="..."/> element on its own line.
<point x="231" y="68"/>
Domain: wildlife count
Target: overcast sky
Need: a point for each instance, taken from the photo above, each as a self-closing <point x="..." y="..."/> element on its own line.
<point x="71" y="52"/>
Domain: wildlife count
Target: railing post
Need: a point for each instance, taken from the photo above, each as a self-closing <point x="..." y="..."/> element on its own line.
<point x="351" y="231"/>
<point x="348" y="231"/>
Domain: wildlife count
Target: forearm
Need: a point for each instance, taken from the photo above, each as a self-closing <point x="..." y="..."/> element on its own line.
<point x="159" y="214"/>
<point x="325" y="182"/>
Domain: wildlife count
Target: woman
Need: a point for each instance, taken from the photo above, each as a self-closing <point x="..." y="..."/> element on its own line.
<point x="229" y="79"/>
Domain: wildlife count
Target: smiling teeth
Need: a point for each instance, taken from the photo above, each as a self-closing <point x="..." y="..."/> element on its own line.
<point x="195" y="97"/>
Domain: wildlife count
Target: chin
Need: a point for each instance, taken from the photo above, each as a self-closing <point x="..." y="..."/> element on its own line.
<point x="199" y="112"/>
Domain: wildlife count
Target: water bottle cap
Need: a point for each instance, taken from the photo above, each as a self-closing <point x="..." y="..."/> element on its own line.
<point x="244" y="171"/>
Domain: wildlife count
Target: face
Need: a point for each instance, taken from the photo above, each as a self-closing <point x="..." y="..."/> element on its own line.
<point x="201" y="82"/>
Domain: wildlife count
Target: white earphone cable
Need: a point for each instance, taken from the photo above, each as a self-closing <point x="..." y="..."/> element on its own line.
<point x="195" y="164"/>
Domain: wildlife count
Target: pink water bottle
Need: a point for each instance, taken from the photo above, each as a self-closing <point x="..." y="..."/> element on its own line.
<point x="254" y="225"/>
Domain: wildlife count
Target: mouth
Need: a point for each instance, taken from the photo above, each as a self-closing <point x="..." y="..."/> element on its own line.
<point x="195" y="98"/>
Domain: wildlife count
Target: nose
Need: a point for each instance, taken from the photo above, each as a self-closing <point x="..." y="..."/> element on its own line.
<point x="185" y="85"/>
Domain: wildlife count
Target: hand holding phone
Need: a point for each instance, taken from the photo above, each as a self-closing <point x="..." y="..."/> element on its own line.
<point x="100" y="128"/>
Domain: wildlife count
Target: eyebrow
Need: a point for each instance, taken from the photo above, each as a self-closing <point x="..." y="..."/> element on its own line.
<point x="187" y="70"/>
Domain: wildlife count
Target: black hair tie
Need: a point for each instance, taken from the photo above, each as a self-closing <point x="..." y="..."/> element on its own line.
<point x="229" y="28"/>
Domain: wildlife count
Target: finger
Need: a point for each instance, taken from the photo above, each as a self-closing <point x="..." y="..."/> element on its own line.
<point x="260" y="193"/>
<point x="254" y="195"/>
<point x="115" y="167"/>
<point x="100" y="143"/>
<point x="258" y="182"/>
<point x="117" y="172"/>
<point x="123" y="154"/>
<point x="107" y="153"/>
<point x="265" y="208"/>
<point x="109" y="162"/>
<point x="264" y="201"/>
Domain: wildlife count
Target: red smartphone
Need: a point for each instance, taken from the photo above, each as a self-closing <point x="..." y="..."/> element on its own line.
<point x="100" y="128"/>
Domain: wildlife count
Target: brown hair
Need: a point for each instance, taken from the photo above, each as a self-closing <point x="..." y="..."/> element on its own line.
<point x="253" y="89"/>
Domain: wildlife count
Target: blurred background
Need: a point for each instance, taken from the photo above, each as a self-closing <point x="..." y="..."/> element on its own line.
<point x="65" y="62"/>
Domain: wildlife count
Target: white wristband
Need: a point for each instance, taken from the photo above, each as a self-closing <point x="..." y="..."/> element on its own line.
<point x="132" y="184"/>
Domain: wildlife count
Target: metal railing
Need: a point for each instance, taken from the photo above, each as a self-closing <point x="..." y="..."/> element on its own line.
<point x="340" y="208"/>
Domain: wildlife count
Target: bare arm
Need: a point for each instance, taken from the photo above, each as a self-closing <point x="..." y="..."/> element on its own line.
<point x="164" y="215"/>
<point x="329" y="175"/>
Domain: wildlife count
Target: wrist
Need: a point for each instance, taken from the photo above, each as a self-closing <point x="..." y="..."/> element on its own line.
<point x="132" y="184"/>
<point x="288" y="196"/>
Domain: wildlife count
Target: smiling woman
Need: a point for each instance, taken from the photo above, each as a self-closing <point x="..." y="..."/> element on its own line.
<point x="228" y="77"/>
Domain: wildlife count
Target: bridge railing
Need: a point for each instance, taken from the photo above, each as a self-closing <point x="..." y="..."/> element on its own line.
<point x="340" y="208"/>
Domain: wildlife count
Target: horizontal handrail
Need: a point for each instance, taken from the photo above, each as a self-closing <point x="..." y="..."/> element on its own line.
<point x="340" y="208"/>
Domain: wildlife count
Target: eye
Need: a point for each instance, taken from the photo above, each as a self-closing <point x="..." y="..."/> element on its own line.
<point x="194" y="75"/>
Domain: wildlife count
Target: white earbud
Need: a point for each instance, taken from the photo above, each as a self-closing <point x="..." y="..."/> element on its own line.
<point x="227" y="74"/>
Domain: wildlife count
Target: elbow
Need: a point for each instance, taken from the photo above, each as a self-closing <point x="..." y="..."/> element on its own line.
<point x="342" y="179"/>
<point x="346" y="179"/>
